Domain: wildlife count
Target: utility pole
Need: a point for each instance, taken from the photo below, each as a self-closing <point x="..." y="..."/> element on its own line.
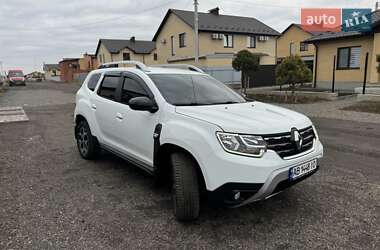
<point x="196" y="38"/>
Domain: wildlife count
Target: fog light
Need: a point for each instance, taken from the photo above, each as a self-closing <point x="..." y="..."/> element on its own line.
<point x="237" y="196"/>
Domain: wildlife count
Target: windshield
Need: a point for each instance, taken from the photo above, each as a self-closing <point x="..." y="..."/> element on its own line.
<point x="193" y="90"/>
<point x="16" y="74"/>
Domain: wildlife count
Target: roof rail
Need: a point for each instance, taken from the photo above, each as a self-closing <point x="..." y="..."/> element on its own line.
<point x="139" y="65"/>
<point x="180" y="66"/>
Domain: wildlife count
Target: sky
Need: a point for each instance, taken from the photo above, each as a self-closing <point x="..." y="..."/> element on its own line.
<point x="33" y="32"/>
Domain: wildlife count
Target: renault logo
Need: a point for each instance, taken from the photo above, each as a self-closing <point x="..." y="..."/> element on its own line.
<point x="296" y="138"/>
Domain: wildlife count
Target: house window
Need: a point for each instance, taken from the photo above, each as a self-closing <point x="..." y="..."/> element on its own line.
<point x="251" y="42"/>
<point x="304" y="46"/>
<point x="100" y="59"/>
<point x="126" y="56"/>
<point x="155" y="56"/>
<point x="172" y="45"/>
<point x="182" y="40"/>
<point x="292" y="49"/>
<point x="228" y="41"/>
<point x="349" y="58"/>
<point x="104" y="59"/>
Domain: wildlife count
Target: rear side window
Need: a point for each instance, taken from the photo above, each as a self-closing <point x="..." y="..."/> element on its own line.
<point x="131" y="89"/>
<point x="93" y="81"/>
<point x="108" y="87"/>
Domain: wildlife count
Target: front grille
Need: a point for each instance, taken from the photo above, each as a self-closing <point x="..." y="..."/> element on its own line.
<point x="284" y="147"/>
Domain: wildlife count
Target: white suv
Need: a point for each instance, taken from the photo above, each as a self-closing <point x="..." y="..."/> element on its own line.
<point x="195" y="133"/>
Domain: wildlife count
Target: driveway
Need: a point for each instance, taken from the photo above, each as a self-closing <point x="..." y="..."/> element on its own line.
<point x="52" y="199"/>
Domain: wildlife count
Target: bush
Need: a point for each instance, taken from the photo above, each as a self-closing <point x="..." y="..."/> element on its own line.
<point x="292" y="71"/>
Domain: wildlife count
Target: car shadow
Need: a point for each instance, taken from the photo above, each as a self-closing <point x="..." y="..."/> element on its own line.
<point x="284" y="206"/>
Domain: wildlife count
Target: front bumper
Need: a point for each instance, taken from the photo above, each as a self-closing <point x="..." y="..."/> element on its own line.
<point x="255" y="178"/>
<point x="15" y="83"/>
<point x="248" y="193"/>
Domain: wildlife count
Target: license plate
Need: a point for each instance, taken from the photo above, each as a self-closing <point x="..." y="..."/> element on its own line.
<point x="303" y="169"/>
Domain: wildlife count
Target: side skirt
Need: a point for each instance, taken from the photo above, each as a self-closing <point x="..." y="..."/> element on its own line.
<point x="129" y="159"/>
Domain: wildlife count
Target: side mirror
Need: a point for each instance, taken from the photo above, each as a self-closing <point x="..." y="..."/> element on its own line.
<point x="143" y="103"/>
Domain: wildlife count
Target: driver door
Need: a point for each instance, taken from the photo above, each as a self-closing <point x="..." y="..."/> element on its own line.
<point x="136" y="128"/>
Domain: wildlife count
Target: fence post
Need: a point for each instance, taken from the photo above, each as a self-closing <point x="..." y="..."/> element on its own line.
<point x="333" y="80"/>
<point x="365" y="73"/>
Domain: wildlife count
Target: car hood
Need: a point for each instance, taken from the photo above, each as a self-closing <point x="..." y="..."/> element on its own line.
<point x="248" y="118"/>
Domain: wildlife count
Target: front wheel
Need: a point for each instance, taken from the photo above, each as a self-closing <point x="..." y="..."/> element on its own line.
<point x="186" y="195"/>
<point x="87" y="144"/>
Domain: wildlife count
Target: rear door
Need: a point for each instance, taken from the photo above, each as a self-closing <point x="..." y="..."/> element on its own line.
<point x="105" y="107"/>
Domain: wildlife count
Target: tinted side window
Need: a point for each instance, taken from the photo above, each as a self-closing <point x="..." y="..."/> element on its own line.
<point x="108" y="87"/>
<point x="93" y="81"/>
<point x="131" y="89"/>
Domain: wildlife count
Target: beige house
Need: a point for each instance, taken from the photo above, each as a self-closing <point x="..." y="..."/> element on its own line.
<point x="350" y="50"/>
<point x="220" y="38"/>
<point x="291" y="42"/>
<point x="88" y="62"/>
<point x="52" y="72"/>
<point x="111" y="50"/>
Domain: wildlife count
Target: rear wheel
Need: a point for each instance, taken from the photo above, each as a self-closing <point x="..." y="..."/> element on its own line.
<point x="87" y="144"/>
<point x="186" y="195"/>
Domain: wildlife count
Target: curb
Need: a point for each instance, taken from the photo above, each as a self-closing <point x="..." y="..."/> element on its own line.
<point x="321" y="95"/>
<point x="368" y="97"/>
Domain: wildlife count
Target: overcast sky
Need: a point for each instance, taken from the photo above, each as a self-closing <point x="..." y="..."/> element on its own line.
<point x="37" y="31"/>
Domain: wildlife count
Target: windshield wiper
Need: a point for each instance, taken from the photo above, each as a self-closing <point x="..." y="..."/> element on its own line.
<point x="189" y="104"/>
<point x="227" y="102"/>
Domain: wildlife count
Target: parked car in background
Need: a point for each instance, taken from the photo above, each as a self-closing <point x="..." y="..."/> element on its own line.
<point x="16" y="77"/>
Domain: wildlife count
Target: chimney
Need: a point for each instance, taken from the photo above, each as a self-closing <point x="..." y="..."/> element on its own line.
<point x="214" y="11"/>
<point x="377" y="5"/>
<point x="133" y="39"/>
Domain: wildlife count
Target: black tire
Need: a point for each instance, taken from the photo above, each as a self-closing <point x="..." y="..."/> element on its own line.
<point x="88" y="145"/>
<point x="186" y="193"/>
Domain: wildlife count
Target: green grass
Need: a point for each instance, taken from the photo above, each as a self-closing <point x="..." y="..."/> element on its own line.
<point x="282" y="99"/>
<point x="365" y="106"/>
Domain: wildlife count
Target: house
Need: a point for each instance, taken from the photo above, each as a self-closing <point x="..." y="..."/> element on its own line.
<point x="111" y="50"/>
<point x="291" y="43"/>
<point x="52" y="72"/>
<point x="220" y="38"/>
<point x="69" y="67"/>
<point x="88" y="62"/>
<point x="35" y="75"/>
<point x="350" y="50"/>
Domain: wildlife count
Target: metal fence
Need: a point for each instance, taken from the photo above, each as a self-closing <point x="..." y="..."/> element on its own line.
<point x="224" y="74"/>
<point x="264" y="77"/>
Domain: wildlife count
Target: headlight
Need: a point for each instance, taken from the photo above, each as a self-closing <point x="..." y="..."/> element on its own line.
<point x="248" y="145"/>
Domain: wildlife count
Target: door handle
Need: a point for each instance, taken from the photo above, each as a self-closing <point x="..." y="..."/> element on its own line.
<point x="119" y="116"/>
<point x="93" y="106"/>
